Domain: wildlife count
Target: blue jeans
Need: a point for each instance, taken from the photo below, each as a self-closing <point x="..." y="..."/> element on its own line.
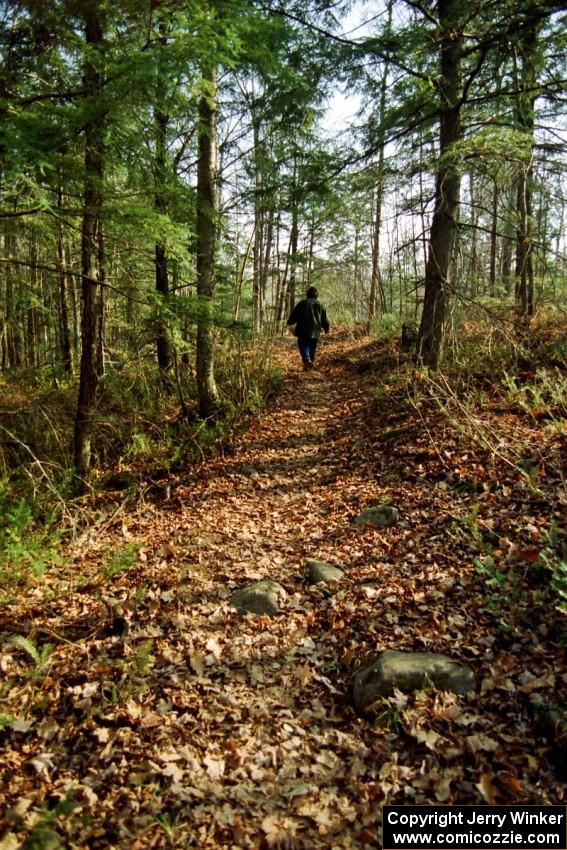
<point x="307" y="348"/>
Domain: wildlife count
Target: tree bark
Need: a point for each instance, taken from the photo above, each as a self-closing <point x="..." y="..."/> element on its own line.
<point x="508" y="239"/>
<point x="257" y="294"/>
<point x="493" y="238"/>
<point x="293" y="243"/>
<point x="206" y="229"/>
<point x="447" y="188"/>
<point x="376" y="283"/>
<point x="525" y="118"/>
<point x="310" y="252"/>
<point x="13" y="330"/>
<point x="102" y="306"/>
<point x="241" y="277"/>
<point x="161" y="120"/>
<point x="64" y="323"/>
<point x="284" y="298"/>
<point x="32" y="318"/>
<point x="265" y="272"/>
<point x="356" y="269"/>
<point x="90" y="248"/>
<point x="475" y="274"/>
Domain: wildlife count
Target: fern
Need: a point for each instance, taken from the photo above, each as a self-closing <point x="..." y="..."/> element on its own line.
<point x="40" y="657"/>
<point x="28" y="646"/>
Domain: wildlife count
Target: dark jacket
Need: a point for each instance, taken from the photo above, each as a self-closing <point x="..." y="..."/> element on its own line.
<point x="308" y="316"/>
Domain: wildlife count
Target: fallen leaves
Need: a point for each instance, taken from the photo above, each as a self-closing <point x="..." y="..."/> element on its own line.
<point x="201" y="727"/>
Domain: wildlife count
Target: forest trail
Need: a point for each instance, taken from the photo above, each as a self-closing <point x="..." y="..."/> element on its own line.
<point x="206" y="728"/>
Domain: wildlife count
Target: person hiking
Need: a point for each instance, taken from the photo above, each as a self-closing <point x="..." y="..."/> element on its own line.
<point x="308" y="316"/>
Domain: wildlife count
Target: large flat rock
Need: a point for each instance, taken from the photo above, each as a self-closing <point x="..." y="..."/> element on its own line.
<point x="262" y="597"/>
<point x="319" y="571"/>
<point x="410" y="671"/>
<point x="380" y="516"/>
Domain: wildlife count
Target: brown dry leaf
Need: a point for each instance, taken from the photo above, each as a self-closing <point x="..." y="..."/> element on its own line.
<point x="304" y="673"/>
<point x="167" y="551"/>
<point x="19" y="724"/>
<point x="512" y="783"/>
<point x="481" y="742"/>
<point x="10" y="841"/>
<point x="486" y="787"/>
<point x="325" y="819"/>
<point x="173" y="771"/>
<point x="274" y="829"/>
<point x="429" y="737"/>
<point x="126" y="534"/>
<point x="48" y="728"/>
<point x="547" y="680"/>
<point x="197" y="662"/>
<point x="214" y="648"/>
<point x="150" y="720"/>
<point x="169" y="754"/>
<point x="215" y="766"/>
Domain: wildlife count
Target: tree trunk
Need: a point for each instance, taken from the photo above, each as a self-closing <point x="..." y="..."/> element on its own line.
<point x="493" y="239"/>
<point x="524" y="260"/>
<point x="311" y="252"/>
<point x="101" y="262"/>
<point x="32" y="323"/>
<point x="447" y="188"/>
<point x="90" y="248"/>
<point x="206" y="229"/>
<point x="265" y="272"/>
<point x="376" y="283"/>
<point x="525" y="119"/>
<point x="13" y="330"/>
<point x="257" y="300"/>
<point x="64" y="323"/>
<point x="241" y="277"/>
<point x="476" y="279"/>
<point x="508" y="240"/>
<point x="284" y="299"/>
<point x="356" y="269"/>
<point x="161" y="120"/>
<point x="293" y="242"/>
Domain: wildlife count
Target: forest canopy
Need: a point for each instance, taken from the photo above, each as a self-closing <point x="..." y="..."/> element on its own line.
<point x="172" y="177"/>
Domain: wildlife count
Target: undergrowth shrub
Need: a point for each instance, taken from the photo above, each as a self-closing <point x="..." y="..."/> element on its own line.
<point x="246" y="374"/>
<point x="120" y="560"/>
<point x="502" y="387"/>
<point x="388" y="325"/>
<point x="247" y="377"/>
<point x="541" y="394"/>
<point x="29" y="542"/>
<point x="143" y="417"/>
<point x="140" y="418"/>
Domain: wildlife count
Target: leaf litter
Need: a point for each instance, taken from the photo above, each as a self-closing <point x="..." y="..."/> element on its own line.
<point x="151" y="714"/>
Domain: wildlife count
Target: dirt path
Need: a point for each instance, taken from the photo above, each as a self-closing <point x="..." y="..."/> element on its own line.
<point x="204" y="728"/>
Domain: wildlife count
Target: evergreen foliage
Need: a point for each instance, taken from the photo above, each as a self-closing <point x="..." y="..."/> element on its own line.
<point x="293" y="202"/>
